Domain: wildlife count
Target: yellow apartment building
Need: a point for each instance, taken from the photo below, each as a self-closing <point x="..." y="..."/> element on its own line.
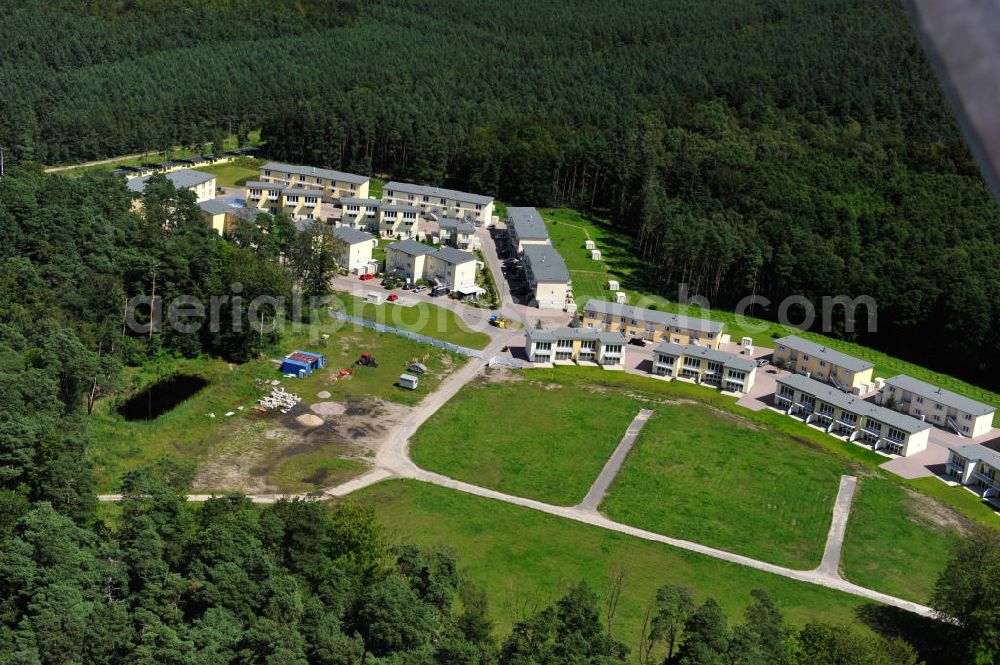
<point x="822" y="363"/>
<point x="652" y="325"/>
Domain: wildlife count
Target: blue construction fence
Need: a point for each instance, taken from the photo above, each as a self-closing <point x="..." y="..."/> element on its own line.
<point x="424" y="339"/>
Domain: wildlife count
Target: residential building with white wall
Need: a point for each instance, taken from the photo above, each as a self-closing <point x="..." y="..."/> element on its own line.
<point x="355" y="253"/>
<point x="334" y="184"/>
<point x="398" y="220"/>
<point x="703" y="364"/>
<point x="547" y="277"/>
<point x="448" y="202"/>
<point x="940" y="407"/>
<point x="576" y="344"/>
<point x="458" y="233"/>
<point x="976" y="466"/>
<point x="652" y="325"/>
<point x="822" y="363"/>
<point x="275" y="199"/>
<point x="525" y="227"/>
<point x="445" y="266"/>
<point x="199" y="182"/>
<point x="847" y="415"/>
<point x="355" y="213"/>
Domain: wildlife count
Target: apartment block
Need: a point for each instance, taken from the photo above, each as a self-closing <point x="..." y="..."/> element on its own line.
<point x="458" y="233"/>
<point x="976" y="466"/>
<point x="398" y="220"/>
<point x="199" y="182"/>
<point x="847" y="415"/>
<point x="652" y="325"/>
<point x="222" y="216"/>
<point x="355" y="213"/>
<point x="333" y="184"/>
<point x="940" y="407"/>
<point x="355" y="253"/>
<point x="703" y="364"/>
<point x="822" y="363"/>
<point x="439" y="200"/>
<point x="547" y="277"/>
<point x="525" y="227"/>
<point x="576" y="344"/>
<point x="275" y="199"/>
<point x="447" y="266"/>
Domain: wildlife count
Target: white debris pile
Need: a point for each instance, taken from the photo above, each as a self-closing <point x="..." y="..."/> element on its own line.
<point x="279" y="399"/>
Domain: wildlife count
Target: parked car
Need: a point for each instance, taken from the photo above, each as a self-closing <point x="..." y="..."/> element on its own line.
<point x="417" y="368"/>
<point x="392" y="297"/>
<point x="420" y="289"/>
<point x="762" y="361"/>
<point x="637" y="341"/>
<point x="366" y="277"/>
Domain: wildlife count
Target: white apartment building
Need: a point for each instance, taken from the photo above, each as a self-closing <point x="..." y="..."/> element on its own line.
<point x="978" y="467"/>
<point x="199" y="182"/>
<point x="576" y="345"/>
<point x="525" y="227"/>
<point x="356" y="252"/>
<point x="547" y="277"/>
<point x="940" y="407"/>
<point x="275" y="199"/>
<point x="447" y="266"/>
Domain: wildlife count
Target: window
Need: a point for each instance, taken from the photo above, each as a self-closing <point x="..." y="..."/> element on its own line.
<point x="822" y="363"/>
<point x="965" y="429"/>
<point x="805" y="357"/>
<point x="966" y="417"/>
<point x="937" y="407"/>
<point x="920" y="400"/>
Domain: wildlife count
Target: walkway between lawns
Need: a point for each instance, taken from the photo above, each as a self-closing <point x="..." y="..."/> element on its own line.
<point x="614" y="463"/>
<point x="830" y="565"/>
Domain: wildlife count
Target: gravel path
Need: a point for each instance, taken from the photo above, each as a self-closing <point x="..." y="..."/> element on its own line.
<point x="830" y="566"/>
<point x="614" y="463"/>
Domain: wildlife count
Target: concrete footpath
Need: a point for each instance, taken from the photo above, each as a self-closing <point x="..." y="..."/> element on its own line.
<point x="614" y="463"/>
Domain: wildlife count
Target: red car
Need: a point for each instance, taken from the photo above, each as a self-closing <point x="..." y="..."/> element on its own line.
<point x="366" y="277"/>
<point x="392" y="297"/>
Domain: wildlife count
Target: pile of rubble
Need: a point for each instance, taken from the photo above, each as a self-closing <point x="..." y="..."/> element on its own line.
<point x="279" y="399"/>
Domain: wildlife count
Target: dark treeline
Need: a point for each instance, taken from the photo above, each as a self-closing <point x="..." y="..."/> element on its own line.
<point x="773" y="148"/>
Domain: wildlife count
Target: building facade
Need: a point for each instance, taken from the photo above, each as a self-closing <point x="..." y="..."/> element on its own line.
<point x="222" y="216"/>
<point x="398" y="220"/>
<point x="355" y="253"/>
<point x="847" y="415"/>
<point x="547" y="278"/>
<point x="977" y="467"/>
<point x="447" y="202"/>
<point x="652" y="325"/>
<point x="354" y="213"/>
<point x="199" y="182"/>
<point x="703" y="364"/>
<point x="333" y="184"/>
<point x="940" y="407"/>
<point x="822" y="363"/>
<point x="275" y="199"/>
<point x="576" y="345"/>
<point x="446" y="266"/>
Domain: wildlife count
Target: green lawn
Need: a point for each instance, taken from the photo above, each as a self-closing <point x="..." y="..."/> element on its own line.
<point x="234" y="174"/>
<point x="315" y="469"/>
<point x="423" y="318"/>
<point x="913" y="544"/>
<point x="569" y="228"/>
<point x="187" y="431"/>
<point x="525" y="559"/>
<point x="378" y="253"/>
<point x="375" y="187"/>
<point x="550" y="441"/>
<point x="708" y="476"/>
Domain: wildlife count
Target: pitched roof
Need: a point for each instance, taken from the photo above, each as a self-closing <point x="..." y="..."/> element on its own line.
<point x="315" y="171"/>
<point x="411" y="247"/>
<point x="454" y="256"/>
<point x="459" y="225"/>
<point x="295" y="191"/>
<point x="182" y="179"/>
<point x="527" y="224"/>
<point x="352" y="236"/>
<point x="977" y="453"/>
<point x="653" y="316"/>
<point x="353" y="201"/>
<point x="584" y="334"/>
<point x="545" y="264"/>
<point x="940" y="395"/>
<point x="832" y="356"/>
<point x="397" y="207"/>
<point x="439" y="192"/>
<point x="847" y="402"/>
<point x="730" y="360"/>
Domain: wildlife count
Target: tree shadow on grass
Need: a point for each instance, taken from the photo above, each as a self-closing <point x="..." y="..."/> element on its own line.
<point x="931" y="638"/>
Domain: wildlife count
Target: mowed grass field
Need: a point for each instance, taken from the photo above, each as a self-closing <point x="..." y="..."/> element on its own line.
<point x="423" y="318"/>
<point x="546" y="440"/>
<point x="711" y="477"/>
<point x="234" y="174"/>
<point x="759" y="484"/>
<point x="187" y="431"/>
<point x="570" y="228"/>
<point x="525" y="560"/>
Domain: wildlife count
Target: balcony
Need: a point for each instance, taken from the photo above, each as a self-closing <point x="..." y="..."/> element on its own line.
<point x="956" y="468"/>
<point x="983" y="478"/>
<point x="868" y="429"/>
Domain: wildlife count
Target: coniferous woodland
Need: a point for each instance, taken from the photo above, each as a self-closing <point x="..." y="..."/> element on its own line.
<point x="773" y="147"/>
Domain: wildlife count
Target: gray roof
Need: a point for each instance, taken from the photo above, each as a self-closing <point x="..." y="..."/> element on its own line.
<point x="546" y="264"/>
<point x="825" y="353"/>
<point x="653" y="316"/>
<point x="295" y="191"/>
<point x="946" y="397"/>
<point x="329" y="174"/>
<point x="217" y="207"/>
<point x="352" y="201"/>
<point x="977" y="453"/>
<point x="397" y="207"/>
<point x="527" y="224"/>
<point x="847" y="402"/>
<point x="454" y="256"/>
<point x="575" y="333"/>
<point x="438" y="192"/>
<point x="461" y="226"/>
<point x="411" y="247"/>
<point x="730" y="360"/>
<point x="182" y="179"/>
<point x="352" y="236"/>
<point x="260" y="184"/>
